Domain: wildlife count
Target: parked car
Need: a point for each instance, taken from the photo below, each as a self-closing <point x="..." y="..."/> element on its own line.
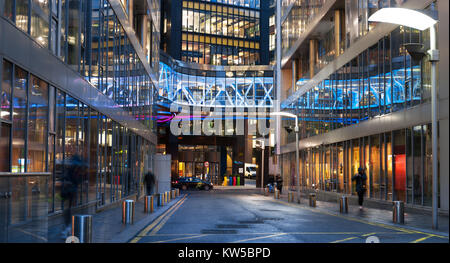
<point x="192" y="183"/>
<point x="250" y="170"/>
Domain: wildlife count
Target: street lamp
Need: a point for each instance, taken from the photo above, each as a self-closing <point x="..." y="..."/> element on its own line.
<point x="420" y="21"/>
<point x="297" y="166"/>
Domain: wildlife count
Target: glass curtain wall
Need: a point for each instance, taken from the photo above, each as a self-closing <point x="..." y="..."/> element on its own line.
<point x="41" y="127"/>
<point x="89" y="38"/>
<point x="48" y="127"/>
<point x="354" y="24"/>
<point x="380" y="80"/>
<point x="397" y="164"/>
<point x="220" y="34"/>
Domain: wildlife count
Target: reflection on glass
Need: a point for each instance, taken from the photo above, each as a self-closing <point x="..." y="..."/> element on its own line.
<point x="5" y="130"/>
<point x="59" y="147"/>
<point x="5" y="104"/>
<point x="400" y="165"/>
<point x="72" y="120"/>
<point x="40" y="21"/>
<point x="22" y="14"/>
<point x="73" y="33"/>
<point x="19" y="120"/>
<point x="37" y="125"/>
<point x="375" y="163"/>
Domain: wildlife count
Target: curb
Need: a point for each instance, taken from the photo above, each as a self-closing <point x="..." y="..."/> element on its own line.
<point x="129" y="233"/>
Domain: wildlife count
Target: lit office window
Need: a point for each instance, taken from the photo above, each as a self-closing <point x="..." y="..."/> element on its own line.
<point x="21" y="18"/>
<point x="40" y="21"/>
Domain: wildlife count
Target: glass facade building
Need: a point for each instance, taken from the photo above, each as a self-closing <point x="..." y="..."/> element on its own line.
<point x="223" y="33"/>
<point x="215" y="56"/>
<point x="349" y="83"/>
<point x="220" y="34"/>
<point x="90" y="90"/>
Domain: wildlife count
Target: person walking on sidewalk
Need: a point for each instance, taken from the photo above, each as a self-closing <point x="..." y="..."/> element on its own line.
<point x="279" y="183"/>
<point x="75" y="172"/>
<point x="360" y="179"/>
<point x="149" y="180"/>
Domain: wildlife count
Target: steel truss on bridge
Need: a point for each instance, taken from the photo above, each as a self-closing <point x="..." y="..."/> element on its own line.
<point x="222" y="87"/>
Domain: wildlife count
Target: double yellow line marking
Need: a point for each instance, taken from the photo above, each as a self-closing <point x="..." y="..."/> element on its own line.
<point x="351" y="238"/>
<point x="156" y="225"/>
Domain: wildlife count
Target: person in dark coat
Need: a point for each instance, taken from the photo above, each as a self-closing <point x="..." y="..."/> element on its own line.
<point x="75" y="171"/>
<point x="279" y="182"/>
<point x="149" y="181"/>
<point x="360" y="179"/>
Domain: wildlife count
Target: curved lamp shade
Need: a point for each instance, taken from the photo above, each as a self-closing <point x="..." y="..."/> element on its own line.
<point x="403" y="17"/>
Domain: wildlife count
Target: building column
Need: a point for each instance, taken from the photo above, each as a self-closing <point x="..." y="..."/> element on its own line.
<point x="130" y="13"/>
<point x="312" y="57"/>
<point x="443" y="104"/>
<point x="337" y="32"/>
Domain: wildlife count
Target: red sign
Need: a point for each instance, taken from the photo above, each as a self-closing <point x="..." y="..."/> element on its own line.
<point x="206" y="164"/>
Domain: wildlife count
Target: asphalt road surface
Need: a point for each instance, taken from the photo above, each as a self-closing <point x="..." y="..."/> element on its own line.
<point x="231" y="216"/>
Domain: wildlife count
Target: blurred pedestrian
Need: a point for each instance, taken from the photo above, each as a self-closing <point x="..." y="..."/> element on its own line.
<point x="74" y="173"/>
<point x="149" y="181"/>
<point x="360" y="179"/>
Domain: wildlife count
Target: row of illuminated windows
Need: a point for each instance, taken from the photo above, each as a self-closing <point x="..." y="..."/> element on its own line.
<point x="254" y="4"/>
<point x="398" y="166"/>
<point x="381" y="80"/>
<point x="222" y="24"/>
<point x="204" y="53"/>
<point x="220" y="41"/>
<point x="41" y="128"/>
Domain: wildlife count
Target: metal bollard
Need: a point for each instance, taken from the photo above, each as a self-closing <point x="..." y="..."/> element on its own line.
<point x="148" y="208"/>
<point x="178" y="191"/>
<point x="128" y="211"/>
<point x="398" y="215"/>
<point x="266" y="191"/>
<point x="290" y="197"/>
<point x="312" y="199"/>
<point x="101" y="198"/>
<point x="158" y="199"/>
<point x="82" y="228"/>
<point x="166" y="196"/>
<point x="162" y="199"/>
<point x="343" y="204"/>
<point x="276" y="194"/>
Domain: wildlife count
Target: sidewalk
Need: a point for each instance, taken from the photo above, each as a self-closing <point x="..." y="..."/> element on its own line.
<point x="413" y="221"/>
<point x="107" y="225"/>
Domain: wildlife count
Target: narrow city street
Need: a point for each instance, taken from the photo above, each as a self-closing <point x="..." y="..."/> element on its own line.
<point x="244" y="216"/>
